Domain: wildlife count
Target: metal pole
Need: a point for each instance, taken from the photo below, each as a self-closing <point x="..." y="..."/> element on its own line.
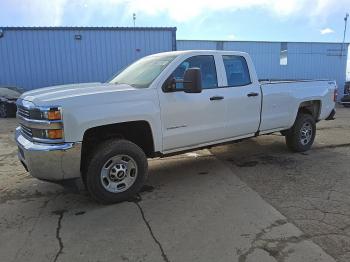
<point x="346" y="22"/>
<point x="134" y="18"/>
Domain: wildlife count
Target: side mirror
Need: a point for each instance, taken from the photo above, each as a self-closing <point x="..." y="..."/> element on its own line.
<point x="193" y="80"/>
<point x="169" y="85"/>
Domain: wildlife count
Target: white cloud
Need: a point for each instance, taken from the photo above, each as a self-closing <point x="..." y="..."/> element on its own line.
<point x="46" y="12"/>
<point x="185" y="10"/>
<point x="231" y="37"/>
<point x="326" y="31"/>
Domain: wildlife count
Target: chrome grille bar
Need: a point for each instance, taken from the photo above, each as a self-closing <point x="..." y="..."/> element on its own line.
<point x="26" y="131"/>
<point x="24" y="112"/>
<point x="40" y="124"/>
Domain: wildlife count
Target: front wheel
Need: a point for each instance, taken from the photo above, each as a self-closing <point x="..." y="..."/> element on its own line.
<point x="116" y="172"/>
<point x="301" y="136"/>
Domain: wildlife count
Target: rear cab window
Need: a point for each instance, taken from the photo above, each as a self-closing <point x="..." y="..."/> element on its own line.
<point x="206" y="63"/>
<point x="237" y="71"/>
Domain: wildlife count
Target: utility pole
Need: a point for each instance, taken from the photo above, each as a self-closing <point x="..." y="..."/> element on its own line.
<point x="346" y="23"/>
<point x="134" y="18"/>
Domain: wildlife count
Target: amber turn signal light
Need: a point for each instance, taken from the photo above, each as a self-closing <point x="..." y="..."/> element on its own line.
<point x="54" y="134"/>
<point x="54" y="115"/>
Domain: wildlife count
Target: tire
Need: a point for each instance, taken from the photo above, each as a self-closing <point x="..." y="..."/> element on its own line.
<point x="346" y="105"/>
<point x="116" y="172"/>
<point x="3" y="110"/>
<point x="301" y="136"/>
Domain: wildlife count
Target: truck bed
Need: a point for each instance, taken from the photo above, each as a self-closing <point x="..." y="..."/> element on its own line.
<point x="282" y="98"/>
<point x="279" y="81"/>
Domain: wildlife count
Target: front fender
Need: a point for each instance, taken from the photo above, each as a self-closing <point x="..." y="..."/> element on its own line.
<point x="78" y="119"/>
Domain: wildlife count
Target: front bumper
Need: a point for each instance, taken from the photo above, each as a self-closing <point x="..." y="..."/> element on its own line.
<point x="52" y="162"/>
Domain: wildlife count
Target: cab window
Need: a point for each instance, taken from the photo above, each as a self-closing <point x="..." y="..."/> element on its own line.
<point x="237" y="71"/>
<point x="206" y="63"/>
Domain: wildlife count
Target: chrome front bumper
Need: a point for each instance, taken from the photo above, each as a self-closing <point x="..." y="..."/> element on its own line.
<point x="52" y="162"/>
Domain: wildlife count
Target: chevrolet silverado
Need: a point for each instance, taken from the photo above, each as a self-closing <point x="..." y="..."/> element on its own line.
<point x="162" y="104"/>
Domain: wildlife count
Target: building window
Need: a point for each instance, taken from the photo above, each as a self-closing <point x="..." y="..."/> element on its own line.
<point x="284" y="54"/>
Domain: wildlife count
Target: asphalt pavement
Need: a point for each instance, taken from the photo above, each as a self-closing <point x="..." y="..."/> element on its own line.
<point x="252" y="201"/>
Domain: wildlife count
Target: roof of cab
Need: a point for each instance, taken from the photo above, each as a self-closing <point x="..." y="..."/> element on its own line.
<point x="196" y="52"/>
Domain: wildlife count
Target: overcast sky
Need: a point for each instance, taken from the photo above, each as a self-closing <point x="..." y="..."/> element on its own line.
<point x="271" y="20"/>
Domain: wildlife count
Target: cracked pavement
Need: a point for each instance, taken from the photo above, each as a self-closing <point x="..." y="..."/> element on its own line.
<point x="246" y="202"/>
<point x="60" y="214"/>
<point x="164" y="256"/>
<point x="310" y="189"/>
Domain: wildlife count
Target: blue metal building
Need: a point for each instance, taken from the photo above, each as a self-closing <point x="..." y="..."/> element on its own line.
<point x="282" y="60"/>
<point x="33" y="57"/>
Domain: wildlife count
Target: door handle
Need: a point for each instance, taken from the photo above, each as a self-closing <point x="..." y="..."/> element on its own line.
<point x="252" y="94"/>
<point x="216" y="98"/>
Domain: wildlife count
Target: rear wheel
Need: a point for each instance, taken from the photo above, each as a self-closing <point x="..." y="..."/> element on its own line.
<point x="116" y="172"/>
<point x="301" y="136"/>
<point x="346" y="105"/>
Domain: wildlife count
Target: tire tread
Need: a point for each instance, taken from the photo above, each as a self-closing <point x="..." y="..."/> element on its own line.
<point x="292" y="136"/>
<point x="105" y="150"/>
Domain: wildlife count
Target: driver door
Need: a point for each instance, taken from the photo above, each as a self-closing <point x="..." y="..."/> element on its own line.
<point x="192" y="119"/>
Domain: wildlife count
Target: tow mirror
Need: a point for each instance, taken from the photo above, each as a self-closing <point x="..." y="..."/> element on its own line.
<point x="193" y="80"/>
<point x="169" y="85"/>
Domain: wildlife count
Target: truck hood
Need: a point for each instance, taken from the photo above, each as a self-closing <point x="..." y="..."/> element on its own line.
<point x="56" y="95"/>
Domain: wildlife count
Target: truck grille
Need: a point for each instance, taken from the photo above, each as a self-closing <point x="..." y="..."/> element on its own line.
<point x="26" y="131"/>
<point x="22" y="111"/>
<point x="25" y="112"/>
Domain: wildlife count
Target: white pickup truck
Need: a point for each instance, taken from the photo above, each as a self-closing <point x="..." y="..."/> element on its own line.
<point x="162" y="104"/>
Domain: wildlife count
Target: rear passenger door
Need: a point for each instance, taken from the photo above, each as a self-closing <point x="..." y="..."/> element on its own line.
<point x="243" y="97"/>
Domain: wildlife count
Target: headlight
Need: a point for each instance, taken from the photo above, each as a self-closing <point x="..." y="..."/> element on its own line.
<point x="48" y="133"/>
<point x="46" y="113"/>
<point x="41" y="124"/>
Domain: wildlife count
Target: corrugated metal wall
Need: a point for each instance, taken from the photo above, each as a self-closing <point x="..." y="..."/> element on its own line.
<point x="305" y="60"/>
<point x="33" y="57"/>
<point x="38" y="57"/>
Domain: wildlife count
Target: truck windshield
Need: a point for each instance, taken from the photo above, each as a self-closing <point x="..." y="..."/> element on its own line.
<point x="142" y="73"/>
